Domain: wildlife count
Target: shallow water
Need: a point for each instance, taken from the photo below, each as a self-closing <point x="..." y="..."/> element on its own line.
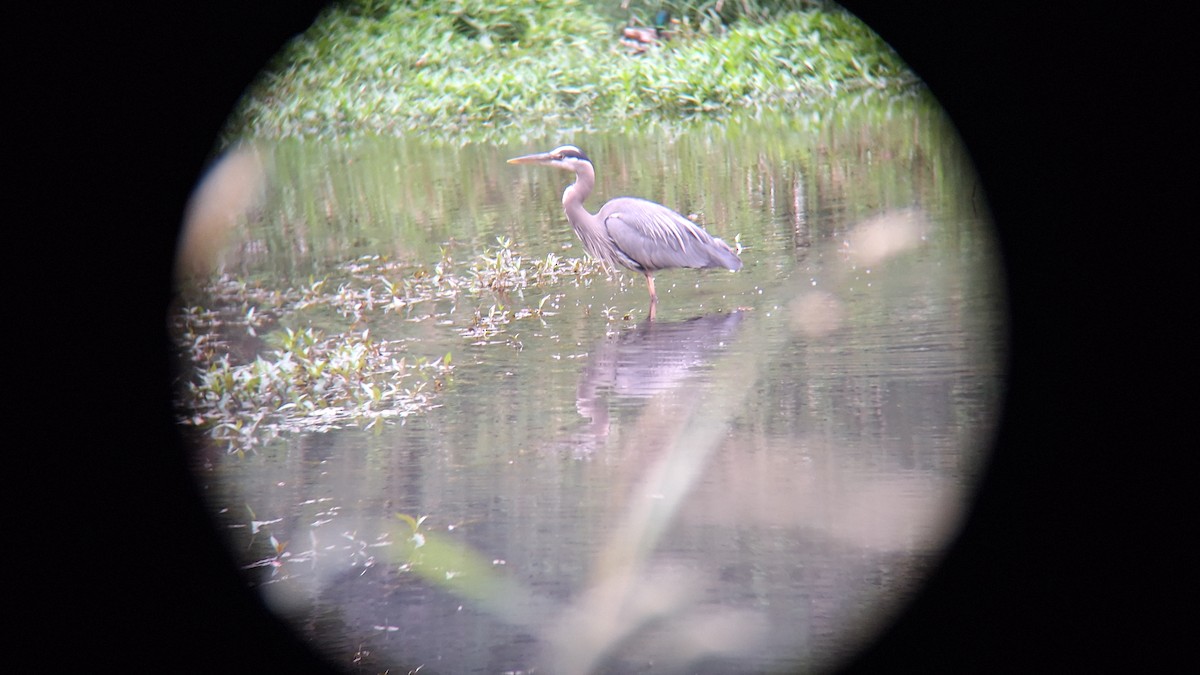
<point x="755" y="481"/>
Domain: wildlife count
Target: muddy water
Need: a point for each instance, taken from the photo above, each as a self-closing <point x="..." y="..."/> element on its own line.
<point x="757" y="480"/>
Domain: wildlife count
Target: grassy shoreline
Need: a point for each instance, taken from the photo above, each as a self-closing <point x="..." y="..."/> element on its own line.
<point x="480" y="71"/>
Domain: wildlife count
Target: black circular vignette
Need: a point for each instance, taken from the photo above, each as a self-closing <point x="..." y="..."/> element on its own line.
<point x="1038" y="575"/>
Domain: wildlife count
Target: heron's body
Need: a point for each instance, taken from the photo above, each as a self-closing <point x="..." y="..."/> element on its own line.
<point x="635" y="233"/>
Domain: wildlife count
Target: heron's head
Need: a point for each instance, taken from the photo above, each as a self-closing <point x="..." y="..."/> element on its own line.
<point x="567" y="157"/>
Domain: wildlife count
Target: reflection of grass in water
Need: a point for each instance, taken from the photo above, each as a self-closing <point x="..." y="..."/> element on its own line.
<point x="308" y="379"/>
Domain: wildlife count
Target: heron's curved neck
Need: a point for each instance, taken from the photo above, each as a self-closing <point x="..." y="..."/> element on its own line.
<point x="572" y="201"/>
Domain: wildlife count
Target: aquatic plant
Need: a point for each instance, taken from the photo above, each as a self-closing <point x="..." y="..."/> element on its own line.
<point x="498" y="269"/>
<point x="309" y="379"/>
<point x="502" y="269"/>
<point x="311" y="382"/>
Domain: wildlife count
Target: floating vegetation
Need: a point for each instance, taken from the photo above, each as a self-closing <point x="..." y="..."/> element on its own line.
<point x="251" y="372"/>
<point x="313" y="382"/>
<point x="372" y="282"/>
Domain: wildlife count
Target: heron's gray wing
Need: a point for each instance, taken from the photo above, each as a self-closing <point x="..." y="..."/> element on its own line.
<point x="655" y="237"/>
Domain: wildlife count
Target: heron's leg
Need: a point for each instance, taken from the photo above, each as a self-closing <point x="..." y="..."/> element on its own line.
<point x="653" y="295"/>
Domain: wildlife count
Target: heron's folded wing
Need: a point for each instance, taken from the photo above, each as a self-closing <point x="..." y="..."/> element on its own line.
<point x="656" y="237"/>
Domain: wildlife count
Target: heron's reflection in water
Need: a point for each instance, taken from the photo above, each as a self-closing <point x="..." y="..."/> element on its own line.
<point x="641" y="363"/>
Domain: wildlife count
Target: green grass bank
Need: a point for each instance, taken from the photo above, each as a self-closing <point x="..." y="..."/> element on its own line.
<point x="479" y="70"/>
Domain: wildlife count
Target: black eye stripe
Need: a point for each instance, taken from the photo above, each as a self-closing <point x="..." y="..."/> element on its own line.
<point x="577" y="154"/>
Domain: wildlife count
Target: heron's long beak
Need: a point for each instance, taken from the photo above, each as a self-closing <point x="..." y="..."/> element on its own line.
<point x="538" y="158"/>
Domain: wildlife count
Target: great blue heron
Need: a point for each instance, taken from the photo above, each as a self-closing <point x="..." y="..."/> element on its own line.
<point x="641" y="235"/>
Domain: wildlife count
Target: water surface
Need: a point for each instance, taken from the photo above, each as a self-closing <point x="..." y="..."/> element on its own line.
<point x="755" y="481"/>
